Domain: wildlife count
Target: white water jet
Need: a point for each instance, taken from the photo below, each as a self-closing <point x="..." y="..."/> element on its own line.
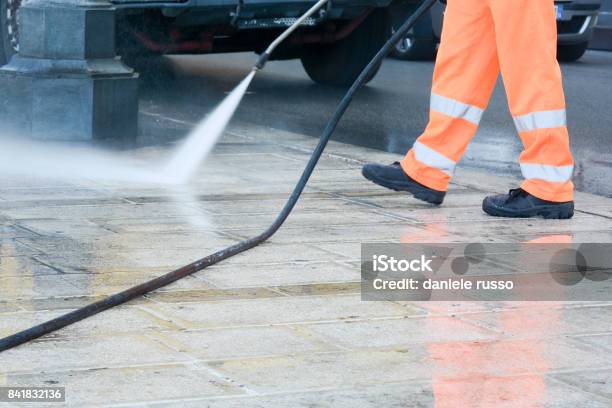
<point x="185" y="161"/>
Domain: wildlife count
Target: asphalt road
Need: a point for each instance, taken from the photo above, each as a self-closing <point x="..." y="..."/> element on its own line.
<point x="389" y="114"/>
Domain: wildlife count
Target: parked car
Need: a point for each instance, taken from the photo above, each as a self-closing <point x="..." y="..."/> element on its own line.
<point x="602" y="37"/>
<point x="575" y="23"/>
<point x="334" y="46"/>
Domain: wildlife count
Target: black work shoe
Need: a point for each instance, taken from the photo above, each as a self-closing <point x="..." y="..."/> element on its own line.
<point x="393" y="177"/>
<point x="520" y="204"/>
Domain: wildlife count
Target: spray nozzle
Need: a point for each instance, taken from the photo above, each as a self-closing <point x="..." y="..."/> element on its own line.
<point x="261" y="62"/>
<point x="263" y="58"/>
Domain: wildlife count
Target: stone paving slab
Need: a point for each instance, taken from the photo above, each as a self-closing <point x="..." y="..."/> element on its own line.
<point x="122" y="322"/>
<point x="273" y="310"/>
<point x="186" y="381"/>
<point x="318" y="370"/>
<point x="227" y="276"/>
<point x="409" y="395"/>
<point x="283" y="324"/>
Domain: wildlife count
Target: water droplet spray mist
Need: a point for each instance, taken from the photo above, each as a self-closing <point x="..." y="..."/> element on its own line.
<point x="201" y="140"/>
<point x="185" y="162"/>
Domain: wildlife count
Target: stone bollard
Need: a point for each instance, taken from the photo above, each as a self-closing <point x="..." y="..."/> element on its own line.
<point x="66" y="82"/>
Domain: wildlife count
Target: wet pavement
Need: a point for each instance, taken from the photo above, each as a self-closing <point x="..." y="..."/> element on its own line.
<point x="282" y="325"/>
<point x="391" y="112"/>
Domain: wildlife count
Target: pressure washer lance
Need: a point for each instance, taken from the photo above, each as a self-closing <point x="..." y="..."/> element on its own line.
<point x="263" y="58"/>
<point x="161" y="281"/>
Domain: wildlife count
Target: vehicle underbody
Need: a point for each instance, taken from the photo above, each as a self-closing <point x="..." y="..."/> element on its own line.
<point x="334" y="44"/>
<point x="149" y="31"/>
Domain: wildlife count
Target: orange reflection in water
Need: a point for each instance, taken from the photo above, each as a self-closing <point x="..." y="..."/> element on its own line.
<point x="508" y="371"/>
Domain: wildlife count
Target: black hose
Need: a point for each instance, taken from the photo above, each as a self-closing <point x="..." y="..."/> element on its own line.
<point x="146" y="287"/>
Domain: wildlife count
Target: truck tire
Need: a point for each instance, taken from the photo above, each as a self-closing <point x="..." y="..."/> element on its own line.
<point x="9" y="34"/>
<point x="340" y="63"/>
<point x="571" y="52"/>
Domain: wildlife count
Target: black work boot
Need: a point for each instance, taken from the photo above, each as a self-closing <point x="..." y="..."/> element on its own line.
<point x="393" y="177"/>
<point x="520" y="204"/>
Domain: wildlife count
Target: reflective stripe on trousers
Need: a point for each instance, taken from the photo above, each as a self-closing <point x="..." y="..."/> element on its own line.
<point x="455" y="109"/>
<point x="540" y="121"/>
<point x="433" y="159"/>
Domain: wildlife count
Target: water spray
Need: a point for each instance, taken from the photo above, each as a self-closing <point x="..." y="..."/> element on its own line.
<point x="199" y="143"/>
<point x="161" y="281"/>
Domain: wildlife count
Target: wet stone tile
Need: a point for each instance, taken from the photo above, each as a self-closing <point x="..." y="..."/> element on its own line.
<point x="279" y="254"/>
<point x="545" y="321"/>
<point x="601" y="341"/>
<point x="106" y="386"/>
<point x="206" y="295"/>
<point x="91" y="352"/>
<point x="370" y="396"/>
<point x="46" y="193"/>
<point x="118" y="321"/>
<point x="112" y="209"/>
<point x="242" y="342"/>
<point x="267" y="309"/>
<point x="35" y="286"/>
<point x="225" y="276"/>
<point x="21" y="266"/>
<point x="597" y="382"/>
<point x="65" y="228"/>
<point x="318" y="289"/>
<point x="11" y="231"/>
<point x="108" y="283"/>
<point x="328" y="370"/>
<point x="401" y="332"/>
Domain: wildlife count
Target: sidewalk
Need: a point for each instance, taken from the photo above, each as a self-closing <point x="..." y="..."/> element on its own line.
<point x="282" y="325"/>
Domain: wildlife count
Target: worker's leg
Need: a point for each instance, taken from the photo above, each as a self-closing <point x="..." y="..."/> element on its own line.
<point x="464" y="77"/>
<point x="526" y="35"/>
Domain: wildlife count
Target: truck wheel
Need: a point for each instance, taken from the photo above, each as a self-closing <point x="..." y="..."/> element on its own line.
<point x="9" y="33"/>
<point x="571" y="52"/>
<point x="341" y="63"/>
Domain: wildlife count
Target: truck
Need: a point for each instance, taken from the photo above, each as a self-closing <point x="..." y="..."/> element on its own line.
<point x="334" y="45"/>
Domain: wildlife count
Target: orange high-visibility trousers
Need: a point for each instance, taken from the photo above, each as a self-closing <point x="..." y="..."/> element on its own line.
<point x="479" y="38"/>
